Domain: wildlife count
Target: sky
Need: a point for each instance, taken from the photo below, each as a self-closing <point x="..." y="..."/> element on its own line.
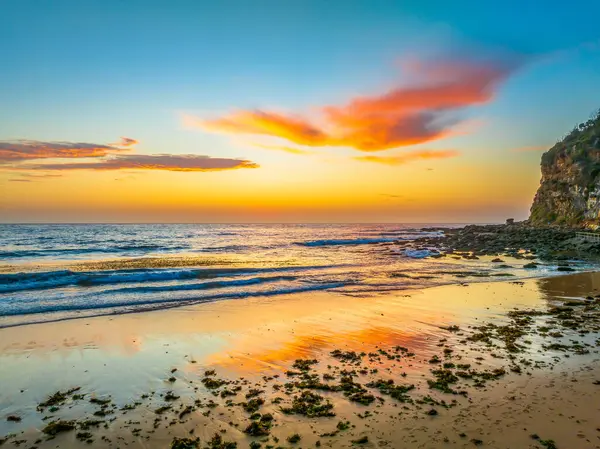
<point x="287" y="111"/>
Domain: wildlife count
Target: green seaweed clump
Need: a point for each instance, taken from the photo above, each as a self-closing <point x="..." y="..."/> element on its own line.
<point x="550" y="444"/>
<point x="294" y="438"/>
<point x="253" y="404"/>
<point x="354" y="391"/>
<point x="85" y="436"/>
<point x="58" y="398"/>
<point x="217" y="443"/>
<point x="311" y="405"/>
<point x="387" y="387"/>
<point x="443" y="379"/>
<point x="304" y="364"/>
<point x="185" y="443"/>
<point x="213" y="384"/>
<point x="261" y="426"/>
<point x="56" y="427"/>
<point x="347" y="356"/>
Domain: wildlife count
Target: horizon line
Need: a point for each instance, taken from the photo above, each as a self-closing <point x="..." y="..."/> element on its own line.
<point x="248" y="223"/>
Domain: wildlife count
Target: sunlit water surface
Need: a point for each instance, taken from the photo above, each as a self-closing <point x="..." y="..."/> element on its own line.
<point x="56" y="272"/>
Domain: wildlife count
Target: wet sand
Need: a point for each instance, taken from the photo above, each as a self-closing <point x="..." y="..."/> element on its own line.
<point x="126" y="366"/>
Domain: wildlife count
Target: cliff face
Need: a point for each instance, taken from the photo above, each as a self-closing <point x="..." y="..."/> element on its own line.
<point x="569" y="192"/>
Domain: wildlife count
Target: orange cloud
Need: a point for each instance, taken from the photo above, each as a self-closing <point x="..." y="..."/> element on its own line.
<point x="20" y="150"/>
<point x="169" y="162"/>
<point x="294" y="129"/>
<point x="421" y="111"/>
<point x="126" y="142"/>
<point x="409" y="157"/>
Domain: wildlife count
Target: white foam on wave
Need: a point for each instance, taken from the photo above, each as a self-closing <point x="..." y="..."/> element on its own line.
<point x="155" y="301"/>
<point x="418" y="253"/>
<point x="53" y="279"/>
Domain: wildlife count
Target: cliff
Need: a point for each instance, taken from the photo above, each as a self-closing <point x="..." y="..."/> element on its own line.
<point x="569" y="192"/>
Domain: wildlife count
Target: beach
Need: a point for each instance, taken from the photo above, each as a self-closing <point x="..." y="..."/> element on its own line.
<point x="146" y="379"/>
<point x="299" y="224"/>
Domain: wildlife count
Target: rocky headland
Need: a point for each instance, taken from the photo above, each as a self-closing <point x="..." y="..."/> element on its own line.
<point x="569" y="192"/>
<point x="567" y="201"/>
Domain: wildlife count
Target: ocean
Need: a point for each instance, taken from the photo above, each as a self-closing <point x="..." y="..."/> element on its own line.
<point x="57" y="272"/>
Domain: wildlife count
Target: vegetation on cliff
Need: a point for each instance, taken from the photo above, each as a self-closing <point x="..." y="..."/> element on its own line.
<point x="569" y="192"/>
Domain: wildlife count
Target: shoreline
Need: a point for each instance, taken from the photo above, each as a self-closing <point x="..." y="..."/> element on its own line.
<point x="471" y="277"/>
<point x="124" y="357"/>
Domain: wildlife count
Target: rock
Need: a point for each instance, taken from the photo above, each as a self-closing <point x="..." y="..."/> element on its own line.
<point x="563" y="268"/>
<point x="569" y="192"/>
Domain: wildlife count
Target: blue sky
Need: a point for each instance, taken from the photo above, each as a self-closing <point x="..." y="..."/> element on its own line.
<point x="90" y="71"/>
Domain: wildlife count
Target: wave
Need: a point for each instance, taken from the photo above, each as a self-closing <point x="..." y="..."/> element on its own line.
<point x="203" y="285"/>
<point x="62" y="278"/>
<point x="153" y="304"/>
<point x="363" y="241"/>
<point x="19" y="254"/>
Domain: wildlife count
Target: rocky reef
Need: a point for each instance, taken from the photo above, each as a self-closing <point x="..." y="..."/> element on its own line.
<point x="518" y="240"/>
<point x="569" y="192"/>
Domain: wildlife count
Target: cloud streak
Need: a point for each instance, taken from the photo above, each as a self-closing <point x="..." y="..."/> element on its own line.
<point x="285" y="149"/>
<point x="409" y="157"/>
<point x="126" y="142"/>
<point x="32" y="177"/>
<point x="426" y="109"/>
<point x="23" y="150"/>
<point x="168" y="162"/>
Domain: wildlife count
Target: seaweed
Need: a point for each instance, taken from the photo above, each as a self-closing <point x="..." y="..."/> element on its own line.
<point x="100" y="401"/>
<point x="185" y="443"/>
<point x="170" y="396"/>
<point x="253" y="393"/>
<point x="387" y="387"/>
<point x="217" y="443"/>
<point x="253" y="404"/>
<point x="56" y="427"/>
<point x="213" y="384"/>
<point x="85" y="436"/>
<point x="311" y="405"/>
<point x="304" y="364"/>
<point x="294" y="438"/>
<point x="261" y="426"/>
<point x="58" y="398"/>
<point x="347" y="356"/>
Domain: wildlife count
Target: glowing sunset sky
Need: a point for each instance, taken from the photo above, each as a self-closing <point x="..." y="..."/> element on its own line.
<point x="286" y="111"/>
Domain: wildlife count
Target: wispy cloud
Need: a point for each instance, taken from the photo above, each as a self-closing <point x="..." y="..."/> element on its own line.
<point x="423" y="110"/>
<point x="409" y="157"/>
<point x="32" y="177"/>
<point x="283" y="148"/>
<point x="22" y="150"/>
<point x="126" y="142"/>
<point x="169" y="162"/>
<point x="389" y="195"/>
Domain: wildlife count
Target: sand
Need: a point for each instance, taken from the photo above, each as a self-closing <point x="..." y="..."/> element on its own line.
<point x="135" y="360"/>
